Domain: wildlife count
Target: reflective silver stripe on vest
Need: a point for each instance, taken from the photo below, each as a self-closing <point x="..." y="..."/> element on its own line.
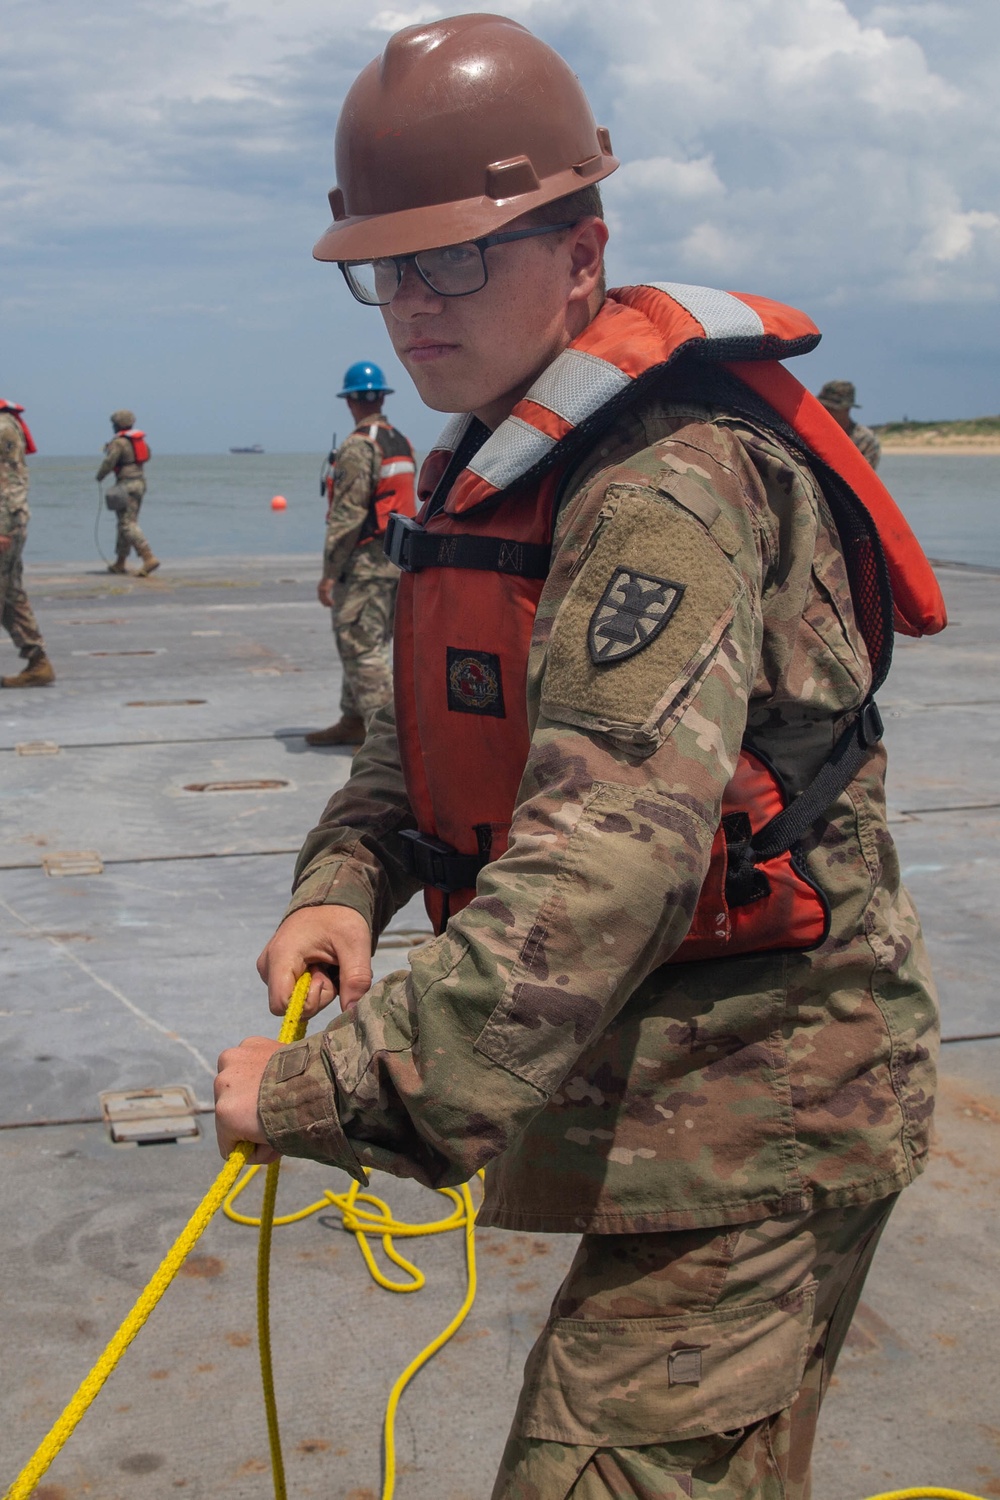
<point x="722" y="315"/>
<point x="513" y="449"/>
<point x="452" y="433"/>
<point x="576" y="384"/>
<point x="393" y="466"/>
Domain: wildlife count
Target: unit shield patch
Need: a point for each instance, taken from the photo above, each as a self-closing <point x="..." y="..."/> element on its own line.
<point x="633" y="610"/>
<point x="475" y="684"/>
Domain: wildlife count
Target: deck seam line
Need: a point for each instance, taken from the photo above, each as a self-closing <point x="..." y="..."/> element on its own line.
<point x="105" y="984"/>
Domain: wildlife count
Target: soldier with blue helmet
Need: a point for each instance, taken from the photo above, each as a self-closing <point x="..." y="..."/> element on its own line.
<point x="371" y="476"/>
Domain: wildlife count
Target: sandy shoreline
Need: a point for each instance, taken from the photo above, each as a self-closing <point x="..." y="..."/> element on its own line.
<point x="947" y="449"/>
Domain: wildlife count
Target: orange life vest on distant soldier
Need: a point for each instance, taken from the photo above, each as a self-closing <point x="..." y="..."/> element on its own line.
<point x="395" y="485"/>
<point x="140" y="448"/>
<point x="475" y="561"/>
<point x="15" y="411"/>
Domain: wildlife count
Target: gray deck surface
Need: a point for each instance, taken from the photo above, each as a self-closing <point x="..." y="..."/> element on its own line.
<point x="138" y="976"/>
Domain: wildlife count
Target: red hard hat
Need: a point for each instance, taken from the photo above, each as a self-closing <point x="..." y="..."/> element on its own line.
<point x="459" y="127"/>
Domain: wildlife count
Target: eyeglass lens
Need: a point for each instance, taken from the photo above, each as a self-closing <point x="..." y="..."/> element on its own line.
<point x="450" y="270"/>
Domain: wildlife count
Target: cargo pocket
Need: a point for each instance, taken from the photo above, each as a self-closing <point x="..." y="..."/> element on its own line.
<point x="628" y="1382"/>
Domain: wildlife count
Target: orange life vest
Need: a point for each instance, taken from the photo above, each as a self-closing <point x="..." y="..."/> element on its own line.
<point x="395" y="487"/>
<point x="15" y="411"/>
<point x="474" y="566"/>
<point x="140" y="448"/>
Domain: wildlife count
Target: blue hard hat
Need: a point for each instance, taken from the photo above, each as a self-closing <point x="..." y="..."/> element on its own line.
<point x="365" y="379"/>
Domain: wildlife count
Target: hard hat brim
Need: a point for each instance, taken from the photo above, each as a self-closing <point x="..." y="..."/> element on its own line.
<point x="365" y="237"/>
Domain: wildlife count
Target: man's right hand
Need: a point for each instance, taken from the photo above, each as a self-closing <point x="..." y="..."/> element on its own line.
<point x="336" y="936"/>
<point x="6" y="542"/>
<point x="324" y="592"/>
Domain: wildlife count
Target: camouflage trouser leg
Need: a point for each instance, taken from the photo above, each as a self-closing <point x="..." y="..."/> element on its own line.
<point x="362" y="623"/>
<point x="16" y="614"/>
<point x="690" y="1366"/>
<point x="129" y="534"/>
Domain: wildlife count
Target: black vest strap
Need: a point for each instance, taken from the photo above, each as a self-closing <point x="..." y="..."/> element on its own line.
<point x="786" y="828"/>
<point x="411" y="548"/>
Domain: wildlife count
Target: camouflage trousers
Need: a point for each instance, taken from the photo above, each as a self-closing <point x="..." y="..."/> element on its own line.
<point x="127" y="498"/>
<point x="690" y="1365"/>
<point x="362" y="624"/>
<point x="16" y="614"/>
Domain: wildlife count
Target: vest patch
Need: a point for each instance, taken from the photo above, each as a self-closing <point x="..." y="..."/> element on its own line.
<point x="632" y="611"/>
<point x="475" y="683"/>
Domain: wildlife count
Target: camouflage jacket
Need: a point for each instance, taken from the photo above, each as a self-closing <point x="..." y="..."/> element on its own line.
<point x="544" y="1035"/>
<point x="13" y="476"/>
<point x="119" y="458"/>
<point x="357" y="469"/>
<point x="865" y="439"/>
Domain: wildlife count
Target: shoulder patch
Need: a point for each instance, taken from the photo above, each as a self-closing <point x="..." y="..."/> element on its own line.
<point x="630" y="614"/>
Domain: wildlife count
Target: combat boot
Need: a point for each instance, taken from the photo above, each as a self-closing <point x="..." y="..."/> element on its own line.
<point x="149" y="562"/>
<point x="118" y="566"/>
<point x="350" y="730"/>
<point x="38" y="673"/>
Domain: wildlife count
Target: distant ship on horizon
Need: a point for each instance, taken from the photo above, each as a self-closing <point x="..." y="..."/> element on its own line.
<point x="253" y="448"/>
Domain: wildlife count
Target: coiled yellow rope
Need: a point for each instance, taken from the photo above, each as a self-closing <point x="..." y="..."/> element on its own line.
<point x="375" y="1220"/>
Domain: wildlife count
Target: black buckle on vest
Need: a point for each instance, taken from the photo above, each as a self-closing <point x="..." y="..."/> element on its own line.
<point x="398" y="532"/>
<point x="437" y="864"/>
<point x="870" y="726"/>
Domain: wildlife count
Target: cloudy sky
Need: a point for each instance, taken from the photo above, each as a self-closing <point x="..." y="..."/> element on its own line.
<point x="164" y="166"/>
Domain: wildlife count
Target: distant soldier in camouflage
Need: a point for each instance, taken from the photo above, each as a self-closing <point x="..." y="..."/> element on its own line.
<point x="839" y="397"/>
<point x="373" y="472"/>
<point x="16" y="614"/>
<point x="625" y="638"/>
<point x="126" y="456"/>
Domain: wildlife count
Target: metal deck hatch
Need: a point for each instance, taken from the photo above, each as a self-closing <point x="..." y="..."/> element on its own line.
<point x="145" y="1117"/>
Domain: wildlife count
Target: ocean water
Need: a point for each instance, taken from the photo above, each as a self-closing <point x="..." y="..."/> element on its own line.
<point x="220" y="505"/>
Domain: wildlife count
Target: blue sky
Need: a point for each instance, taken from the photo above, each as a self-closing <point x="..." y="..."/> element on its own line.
<point x="164" y="166"/>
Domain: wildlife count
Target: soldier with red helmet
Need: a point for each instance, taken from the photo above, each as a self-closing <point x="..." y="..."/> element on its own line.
<point x="678" y="1001"/>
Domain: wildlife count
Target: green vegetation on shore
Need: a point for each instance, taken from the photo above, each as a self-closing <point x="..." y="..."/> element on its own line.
<point x="971" y="427"/>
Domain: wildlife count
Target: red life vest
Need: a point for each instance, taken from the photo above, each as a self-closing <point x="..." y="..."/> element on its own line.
<point x="15" y="411"/>
<point x="474" y="567"/>
<point x="395" y="487"/>
<point x="140" y="448"/>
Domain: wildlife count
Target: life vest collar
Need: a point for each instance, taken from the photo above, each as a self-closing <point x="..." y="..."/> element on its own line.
<point x="15" y="411"/>
<point x="638" y="330"/>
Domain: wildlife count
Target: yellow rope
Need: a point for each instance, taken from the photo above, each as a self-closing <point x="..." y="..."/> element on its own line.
<point x="173" y="1260"/>
<point x="169" y="1266"/>
<point x="374" y="1220"/>
<point x="923" y="1491"/>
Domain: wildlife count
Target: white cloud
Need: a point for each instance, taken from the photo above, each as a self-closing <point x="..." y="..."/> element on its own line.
<point x="679" y="180"/>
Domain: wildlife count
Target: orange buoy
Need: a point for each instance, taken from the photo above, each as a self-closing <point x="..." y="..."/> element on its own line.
<point x="278" y="502"/>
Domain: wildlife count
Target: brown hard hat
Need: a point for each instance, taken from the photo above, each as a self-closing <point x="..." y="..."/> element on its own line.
<point x="459" y="127"/>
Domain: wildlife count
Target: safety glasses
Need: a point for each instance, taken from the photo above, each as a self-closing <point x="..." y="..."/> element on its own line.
<point x="450" y="270"/>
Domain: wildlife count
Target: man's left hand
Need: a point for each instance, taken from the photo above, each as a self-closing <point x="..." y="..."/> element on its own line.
<point x="237" y="1085"/>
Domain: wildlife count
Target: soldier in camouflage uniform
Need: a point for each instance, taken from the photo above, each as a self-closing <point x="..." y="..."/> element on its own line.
<point x="728" y="1136"/>
<point x="16" y="614"/>
<point x="125" y="495"/>
<point x="839" y="397"/>
<point x="359" y="583"/>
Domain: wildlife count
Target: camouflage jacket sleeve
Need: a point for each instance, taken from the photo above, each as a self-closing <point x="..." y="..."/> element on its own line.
<point x="352" y="857"/>
<point x="354" y="485"/>
<point x="116" y="453"/>
<point x="13" y="474"/>
<point x="439" y="1068"/>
